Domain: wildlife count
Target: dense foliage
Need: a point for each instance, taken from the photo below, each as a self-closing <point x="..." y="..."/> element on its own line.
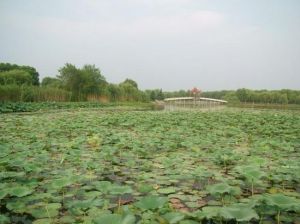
<point x="16" y="69"/>
<point x="29" y="93"/>
<point x="150" y="167"/>
<point x="9" y="107"/>
<point x="21" y="83"/>
<point x="18" y="83"/>
<point x="284" y="96"/>
<point x="81" y="82"/>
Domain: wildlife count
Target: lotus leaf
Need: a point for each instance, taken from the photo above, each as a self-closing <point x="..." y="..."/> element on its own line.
<point x="145" y="188"/>
<point x="151" y="202"/>
<point x="16" y="206"/>
<point x="188" y="222"/>
<point x="239" y="214"/>
<point x="20" y="191"/>
<point x="114" y="219"/>
<point x="84" y="204"/>
<point x="43" y="221"/>
<point x="61" y="183"/>
<point x="283" y="202"/>
<point x="223" y="188"/>
<point x="11" y="174"/>
<point x="102" y="186"/>
<point x="95" y="212"/>
<point x="209" y="212"/>
<point x="253" y="174"/>
<point x="168" y="190"/>
<point x="92" y="194"/>
<point x="4" y="219"/>
<point x="173" y="217"/>
<point x="67" y="220"/>
<point x="119" y="190"/>
<point x="43" y="210"/>
<point x="3" y="193"/>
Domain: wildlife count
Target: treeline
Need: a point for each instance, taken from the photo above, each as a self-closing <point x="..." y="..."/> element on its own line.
<point x="284" y="96"/>
<point x="21" y="83"/>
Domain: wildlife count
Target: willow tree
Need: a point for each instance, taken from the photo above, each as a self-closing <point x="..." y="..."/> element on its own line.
<point x="81" y="82"/>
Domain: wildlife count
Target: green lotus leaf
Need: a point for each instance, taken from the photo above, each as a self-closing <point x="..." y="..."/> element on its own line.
<point x="220" y="188"/>
<point x="43" y="210"/>
<point x="102" y="186"/>
<point x="20" y="191"/>
<point x="128" y="219"/>
<point x="151" y="202"/>
<point x="3" y="185"/>
<point x="209" y="212"/>
<point x="43" y="221"/>
<point x="83" y="204"/>
<point x="40" y="196"/>
<point x="114" y="219"/>
<point x="92" y="194"/>
<point x="16" y="206"/>
<point x="283" y="202"/>
<point x="108" y="219"/>
<point x="188" y="222"/>
<point x="4" y="219"/>
<point x="11" y="174"/>
<point x="223" y="188"/>
<point x="119" y="190"/>
<point x="168" y="190"/>
<point x="4" y="150"/>
<point x="240" y="214"/>
<point x="173" y="217"/>
<point x="95" y="212"/>
<point x="145" y="188"/>
<point x="67" y="220"/>
<point x="32" y="167"/>
<point x="61" y="183"/>
<point x="3" y="193"/>
<point x="253" y="174"/>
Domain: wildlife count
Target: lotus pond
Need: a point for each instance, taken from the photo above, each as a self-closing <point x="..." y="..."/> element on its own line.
<point x="126" y="167"/>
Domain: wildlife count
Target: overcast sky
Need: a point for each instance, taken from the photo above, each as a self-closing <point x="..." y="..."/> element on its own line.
<point x="169" y="44"/>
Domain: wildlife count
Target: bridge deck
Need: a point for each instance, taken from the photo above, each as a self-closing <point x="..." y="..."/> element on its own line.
<point x="193" y="98"/>
<point x="176" y="103"/>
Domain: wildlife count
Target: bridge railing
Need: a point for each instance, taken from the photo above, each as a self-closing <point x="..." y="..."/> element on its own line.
<point x="178" y="103"/>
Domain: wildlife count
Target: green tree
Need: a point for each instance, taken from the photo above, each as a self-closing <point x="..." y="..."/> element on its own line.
<point x="81" y="82"/>
<point x="244" y="95"/>
<point x="231" y="97"/>
<point x="131" y="82"/>
<point x="71" y="79"/>
<point x="51" y="82"/>
<point x="114" y="92"/>
<point x="160" y="95"/>
<point x="129" y="92"/>
<point x="93" y="80"/>
<point x="17" y="77"/>
<point x="5" y="67"/>
<point x="157" y="94"/>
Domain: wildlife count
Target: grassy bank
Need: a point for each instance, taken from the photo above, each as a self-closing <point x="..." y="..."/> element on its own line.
<point x="265" y="106"/>
<point x="11" y="107"/>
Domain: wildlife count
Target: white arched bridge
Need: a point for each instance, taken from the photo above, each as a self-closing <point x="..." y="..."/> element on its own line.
<point x="176" y="103"/>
